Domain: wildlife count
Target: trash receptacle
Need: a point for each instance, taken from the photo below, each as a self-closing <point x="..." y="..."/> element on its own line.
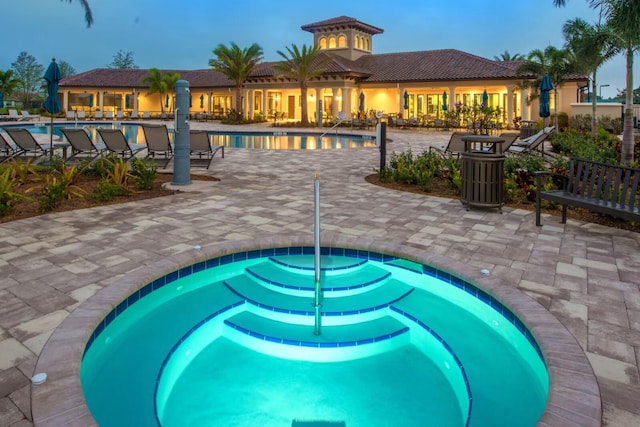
<point x="482" y="172"/>
<point x="527" y="128"/>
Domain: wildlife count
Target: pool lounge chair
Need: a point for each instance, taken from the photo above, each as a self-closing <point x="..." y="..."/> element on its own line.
<point x="117" y="144"/>
<point x="26" y="143"/>
<point x="71" y="115"/>
<point x="82" y="147"/>
<point x="98" y="115"/>
<point x="27" y="116"/>
<point x="120" y="115"/>
<point x="6" y="151"/>
<point x="13" y="115"/>
<point x="108" y="115"/>
<point x="158" y="143"/>
<point x="81" y="115"/>
<point x="453" y="148"/>
<point x="532" y="143"/>
<point x="201" y="149"/>
<point x="134" y="115"/>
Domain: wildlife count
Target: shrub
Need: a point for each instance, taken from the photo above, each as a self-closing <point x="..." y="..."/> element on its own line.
<point x="106" y="190"/>
<point x="578" y="144"/>
<point x="8" y="198"/>
<point x="144" y="173"/>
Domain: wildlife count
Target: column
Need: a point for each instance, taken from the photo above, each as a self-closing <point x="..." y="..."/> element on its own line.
<point x="101" y="101"/>
<point x="65" y="100"/>
<point x="346" y="102"/>
<point x="452" y="98"/>
<point x="250" y="101"/>
<point x="264" y="104"/>
<point x="400" y="101"/>
<point x="509" y="106"/>
<point x="524" y="97"/>
<point x="334" y="103"/>
<point x="209" y="99"/>
<point x="135" y="99"/>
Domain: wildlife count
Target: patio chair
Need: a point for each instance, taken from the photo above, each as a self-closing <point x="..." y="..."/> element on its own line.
<point x="108" y="115"/>
<point x="158" y="143"/>
<point x="6" y="151"/>
<point x="27" y="116"/>
<point x="81" y="115"/>
<point x="454" y="147"/>
<point x="134" y="115"/>
<point x="98" y="115"/>
<point x="146" y="115"/>
<point x="26" y="143"/>
<point x="117" y="144"/>
<point x="71" y="115"/>
<point x="13" y="115"/>
<point x="200" y="147"/>
<point x="120" y="115"/>
<point x="82" y="147"/>
<point x="532" y="143"/>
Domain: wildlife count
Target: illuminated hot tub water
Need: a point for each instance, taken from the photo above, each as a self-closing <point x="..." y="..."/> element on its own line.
<point x="229" y="341"/>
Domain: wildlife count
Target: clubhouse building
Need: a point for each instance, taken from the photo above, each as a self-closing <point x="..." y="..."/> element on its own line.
<point x="421" y="85"/>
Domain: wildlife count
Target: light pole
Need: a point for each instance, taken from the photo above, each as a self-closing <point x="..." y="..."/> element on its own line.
<point x="601" y="86"/>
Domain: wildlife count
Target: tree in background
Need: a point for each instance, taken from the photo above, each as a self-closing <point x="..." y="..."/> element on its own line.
<point x="123" y="60"/>
<point x="557" y="63"/>
<point x="622" y="95"/>
<point x="237" y="64"/>
<point x="170" y="80"/>
<point x="302" y="65"/>
<point x="591" y="46"/>
<point x="8" y="83"/>
<point x="160" y="83"/>
<point x="623" y="18"/>
<point x="29" y="75"/>
<point x="506" y="56"/>
<point x="88" y="16"/>
<point x="66" y="70"/>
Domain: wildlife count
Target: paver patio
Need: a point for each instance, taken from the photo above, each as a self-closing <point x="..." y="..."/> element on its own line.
<point x="586" y="275"/>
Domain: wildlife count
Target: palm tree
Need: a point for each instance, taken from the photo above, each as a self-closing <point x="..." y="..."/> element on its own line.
<point x="8" y="84"/>
<point x="506" y="56"/>
<point x="170" y="80"/>
<point x="591" y="46"/>
<point x="302" y="65"/>
<point x="623" y="17"/>
<point x="237" y="64"/>
<point x="157" y="84"/>
<point x="88" y="16"/>
<point x="552" y="61"/>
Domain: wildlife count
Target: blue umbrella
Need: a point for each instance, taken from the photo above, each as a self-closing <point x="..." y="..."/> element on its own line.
<point x="361" y="106"/>
<point x="127" y="101"/>
<point x="201" y="101"/>
<point x="545" y="87"/>
<point x="444" y="101"/>
<point x="485" y="98"/>
<point x="51" y="103"/>
<point x="90" y="101"/>
<point x="1" y="99"/>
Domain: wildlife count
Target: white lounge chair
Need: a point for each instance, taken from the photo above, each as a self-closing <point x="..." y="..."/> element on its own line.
<point x="108" y="115"/>
<point x="81" y="115"/>
<point x="98" y="115"/>
<point x="27" y="116"/>
<point x="13" y="115"/>
<point x="71" y="115"/>
<point x="119" y="115"/>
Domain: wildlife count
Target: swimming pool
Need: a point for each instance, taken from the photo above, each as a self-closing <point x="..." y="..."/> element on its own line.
<point x="277" y="140"/>
<point x="399" y="339"/>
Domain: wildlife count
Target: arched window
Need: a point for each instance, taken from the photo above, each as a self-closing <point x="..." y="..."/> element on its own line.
<point x="342" y="41"/>
<point x="322" y="43"/>
<point x="332" y="42"/>
<point x="367" y="44"/>
<point x="357" y="42"/>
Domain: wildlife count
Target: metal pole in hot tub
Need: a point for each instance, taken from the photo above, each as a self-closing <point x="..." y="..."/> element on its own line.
<point x="317" y="302"/>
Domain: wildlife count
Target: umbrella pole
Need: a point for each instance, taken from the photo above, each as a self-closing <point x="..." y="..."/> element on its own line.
<point x="51" y="141"/>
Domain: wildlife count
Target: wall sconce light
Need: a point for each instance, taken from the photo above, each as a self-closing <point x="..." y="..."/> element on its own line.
<point x="311" y="95"/>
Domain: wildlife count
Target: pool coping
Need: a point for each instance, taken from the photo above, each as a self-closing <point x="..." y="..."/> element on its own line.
<point x="574" y="395"/>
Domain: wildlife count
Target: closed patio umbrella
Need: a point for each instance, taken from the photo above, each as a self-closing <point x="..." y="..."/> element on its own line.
<point x="51" y="103"/>
<point x="1" y="99"/>
<point x="361" y="105"/>
<point x="166" y="101"/>
<point x="201" y="101"/>
<point x="127" y="101"/>
<point x="444" y="101"/>
<point x="545" y="87"/>
<point x="485" y="98"/>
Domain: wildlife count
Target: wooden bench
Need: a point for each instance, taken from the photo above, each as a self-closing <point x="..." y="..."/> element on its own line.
<point x="598" y="187"/>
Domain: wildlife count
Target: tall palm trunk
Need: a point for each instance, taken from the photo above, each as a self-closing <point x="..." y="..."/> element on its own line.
<point x="239" y="102"/>
<point x="305" y="105"/>
<point x="627" y="133"/>
<point x="594" y="106"/>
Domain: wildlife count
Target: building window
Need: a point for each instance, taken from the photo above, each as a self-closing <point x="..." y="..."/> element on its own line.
<point x="274" y="102"/>
<point x="367" y="44"/>
<point x="342" y="41"/>
<point x="332" y="42"/>
<point x="322" y="43"/>
<point x="357" y="42"/>
<point x="221" y="105"/>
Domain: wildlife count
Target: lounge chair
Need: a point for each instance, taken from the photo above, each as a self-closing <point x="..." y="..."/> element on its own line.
<point x="26" y="143"/>
<point x="71" y="115"/>
<point x="6" y="151"/>
<point x="117" y="144"/>
<point x="532" y="143"/>
<point x="108" y="115"/>
<point x="158" y="143"/>
<point x="120" y="115"/>
<point x="13" y="115"/>
<point x="81" y="145"/>
<point x="81" y="115"/>
<point x="27" y="116"/>
<point x="98" y="115"/>
<point x="146" y="115"/>
<point x="200" y="147"/>
<point x="454" y="147"/>
<point x="134" y="115"/>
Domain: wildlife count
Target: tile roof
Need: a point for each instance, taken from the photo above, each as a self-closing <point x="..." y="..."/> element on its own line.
<point x="342" y="21"/>
<point x="422" y="66"/>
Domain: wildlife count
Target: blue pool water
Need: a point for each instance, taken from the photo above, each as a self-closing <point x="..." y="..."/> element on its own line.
<point x="279" y="140"/>
<point x="230" y="341"/>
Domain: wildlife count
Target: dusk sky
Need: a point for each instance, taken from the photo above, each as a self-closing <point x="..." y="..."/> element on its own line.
<point x="182" y="34"/>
